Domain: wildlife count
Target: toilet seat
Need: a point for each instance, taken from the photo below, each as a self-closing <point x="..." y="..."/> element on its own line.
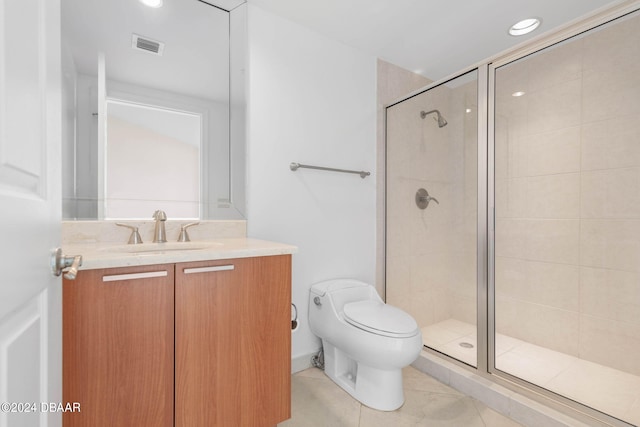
<point x="381" y="319"/>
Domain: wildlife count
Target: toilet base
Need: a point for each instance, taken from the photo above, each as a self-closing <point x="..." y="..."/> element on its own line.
<point x="379" y="389"/>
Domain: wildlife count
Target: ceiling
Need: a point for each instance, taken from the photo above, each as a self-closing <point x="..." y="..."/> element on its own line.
<point x="429" y="37"/>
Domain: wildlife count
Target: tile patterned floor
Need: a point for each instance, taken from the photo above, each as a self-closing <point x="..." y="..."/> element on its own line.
<point x="318" y="402"/>
<point x="609" y="390"/>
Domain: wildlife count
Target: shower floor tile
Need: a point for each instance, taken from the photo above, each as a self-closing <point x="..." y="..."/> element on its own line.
<point x="606" y="389"/>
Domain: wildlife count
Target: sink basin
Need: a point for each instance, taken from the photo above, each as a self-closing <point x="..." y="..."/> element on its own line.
<point x="151" y="248"/>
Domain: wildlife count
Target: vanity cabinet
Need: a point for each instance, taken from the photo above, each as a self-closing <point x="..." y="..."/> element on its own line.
<point x="117" y="353"/>
<point x="233" y="342"/>
<point x="198" y="344"/>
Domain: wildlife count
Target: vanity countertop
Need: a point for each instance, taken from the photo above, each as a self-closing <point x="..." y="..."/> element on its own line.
<point x="103" y="255"/>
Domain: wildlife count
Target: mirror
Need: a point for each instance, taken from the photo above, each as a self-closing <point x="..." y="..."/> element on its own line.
<point x="147" y="100"/>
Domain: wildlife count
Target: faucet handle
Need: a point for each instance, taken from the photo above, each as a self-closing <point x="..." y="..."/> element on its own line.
<point x="135" y="236"/>
<point x="159" y="215"/>
<point x="184" y="236"/>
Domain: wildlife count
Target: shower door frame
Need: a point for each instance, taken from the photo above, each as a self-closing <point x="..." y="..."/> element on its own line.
<point x="481" y="216"/>
<point x="485" y="366"/>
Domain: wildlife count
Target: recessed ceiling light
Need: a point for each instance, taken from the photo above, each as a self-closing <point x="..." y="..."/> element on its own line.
<point x="152" y="3"/>
<point x="525" y="26"/>
<point x="468" y="110"/>
<point x="518" y="93"/>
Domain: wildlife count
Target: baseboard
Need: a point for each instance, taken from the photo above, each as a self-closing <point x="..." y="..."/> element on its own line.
<point x="300" y="363"/>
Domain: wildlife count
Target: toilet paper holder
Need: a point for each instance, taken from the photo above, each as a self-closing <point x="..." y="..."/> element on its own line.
<point x="294" y="317"/>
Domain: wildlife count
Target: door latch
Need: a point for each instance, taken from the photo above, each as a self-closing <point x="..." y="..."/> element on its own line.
<point x="68" y="264"/>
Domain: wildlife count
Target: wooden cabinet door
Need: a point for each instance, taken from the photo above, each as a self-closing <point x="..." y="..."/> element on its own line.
<point x="233" y="342"/>
<point x="118" y="344"/>
<point x="266" y="342"/>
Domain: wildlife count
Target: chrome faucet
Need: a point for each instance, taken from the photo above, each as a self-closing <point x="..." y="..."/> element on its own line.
<point x="159" y="234"/>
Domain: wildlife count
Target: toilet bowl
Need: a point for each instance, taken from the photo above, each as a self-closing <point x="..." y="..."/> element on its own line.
<point x="366" y="342"/>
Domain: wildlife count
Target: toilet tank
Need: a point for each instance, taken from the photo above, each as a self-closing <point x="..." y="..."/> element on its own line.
<point x="344" y="291"/>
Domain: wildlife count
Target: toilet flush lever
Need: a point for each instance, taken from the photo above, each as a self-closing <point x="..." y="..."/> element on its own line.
<point x="316" y="301"/>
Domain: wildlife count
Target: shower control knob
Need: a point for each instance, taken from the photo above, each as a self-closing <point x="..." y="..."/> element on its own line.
<point x="423" y="198"/>
<point x="316" y="301"/>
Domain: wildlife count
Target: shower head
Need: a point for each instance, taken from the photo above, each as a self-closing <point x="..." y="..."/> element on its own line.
<point x="441" y="120"/>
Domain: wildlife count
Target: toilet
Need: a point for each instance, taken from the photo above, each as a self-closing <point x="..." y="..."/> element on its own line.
<point x="366" y="342"/>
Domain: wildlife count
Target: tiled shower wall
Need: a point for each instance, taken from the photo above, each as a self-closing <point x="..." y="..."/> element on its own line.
<point x="568" y="197"/>
<point x="431" y="254"/>
<point x="392" y="83"/>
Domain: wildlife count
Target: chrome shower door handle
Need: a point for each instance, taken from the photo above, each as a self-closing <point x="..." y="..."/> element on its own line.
<point x="67" y="263"/>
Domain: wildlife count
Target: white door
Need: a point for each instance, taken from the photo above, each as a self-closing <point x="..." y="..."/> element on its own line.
<point x="30" y="211"/>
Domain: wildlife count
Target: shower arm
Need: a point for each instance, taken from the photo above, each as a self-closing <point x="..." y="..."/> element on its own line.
<point x="442" y="122"/>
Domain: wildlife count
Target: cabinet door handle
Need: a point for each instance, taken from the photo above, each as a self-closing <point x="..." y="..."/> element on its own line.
<point x="132" y="276"/>
<point x="209" y="269"/>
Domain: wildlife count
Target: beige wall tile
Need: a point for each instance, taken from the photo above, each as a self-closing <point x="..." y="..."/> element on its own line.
<point x="610" y="93"/>
<point x="501" y="148"/>
<point x="610" y="294"/>
<point x="538" y="240"/>
<point x="554" y="107"/>
<point x="611" y="67"/>
<point x="566" y="60"/>
<point x="464" y="308"/>
<point x="611" y="143"/>
<point x="553" y="285"/>
<point x="538" y="324"/>
<point x="613" y="46"/>
<point x="611" y="193"/>
<point x="512" y="78"/>
<point x="610" y="244"/>
<point x="433" y="271"/>
<point x="546" y="153"/>
<point x="611" y="343"/>
<point x="398" y="279"/>
<point x="395" y="82"/>
<point x="552" y="152"/>
<point x="429" y="307"/>
<point x="553" y="196"/>
<point x="511" y="198"/>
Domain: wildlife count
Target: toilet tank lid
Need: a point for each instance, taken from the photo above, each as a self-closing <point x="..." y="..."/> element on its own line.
<point x="322" y="288"/>
<point x="380" y="318"/>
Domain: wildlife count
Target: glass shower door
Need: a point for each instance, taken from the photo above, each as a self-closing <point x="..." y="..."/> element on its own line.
<point x="431" y="211"/>
<point x="567" y="218"/>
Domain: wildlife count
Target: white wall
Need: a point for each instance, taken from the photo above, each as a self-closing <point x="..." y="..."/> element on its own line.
<point x="311" y="100"/>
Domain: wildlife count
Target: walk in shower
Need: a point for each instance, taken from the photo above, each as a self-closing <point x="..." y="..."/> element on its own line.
<point x="513" y="218"/>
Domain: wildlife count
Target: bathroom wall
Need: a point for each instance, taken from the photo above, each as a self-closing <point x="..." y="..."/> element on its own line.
<point x="567" y="198"/>
<point x="311" y="100"/>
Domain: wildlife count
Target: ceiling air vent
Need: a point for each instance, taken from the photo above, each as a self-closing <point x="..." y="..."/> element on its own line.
<point x="147" y="45"/>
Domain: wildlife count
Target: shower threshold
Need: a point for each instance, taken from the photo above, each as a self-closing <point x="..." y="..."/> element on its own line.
<point x="603" y="388"/>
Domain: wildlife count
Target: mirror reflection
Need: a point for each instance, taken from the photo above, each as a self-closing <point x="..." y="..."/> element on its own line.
<point x="169" y="142"/>
<point x="146" y="109"/>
